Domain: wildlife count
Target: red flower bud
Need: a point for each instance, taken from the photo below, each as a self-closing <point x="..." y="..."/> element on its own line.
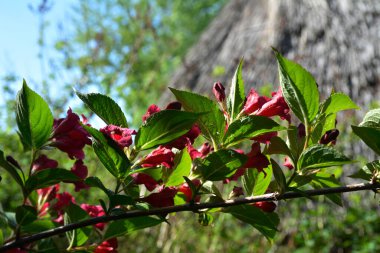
<point x="329" y="136"/>
<point x="43" y="162"/>
<point x="266" y="206"/>
<point x="81" y="171"/>
<point x="109" y="246"/>
<point x="152" y="109"/>
<point x="218" y="90"/>
<point x="301" y="130"/>
<point x="174" y="106"/>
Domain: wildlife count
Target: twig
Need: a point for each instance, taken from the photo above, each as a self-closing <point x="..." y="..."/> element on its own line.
<point x="187" y="207"/>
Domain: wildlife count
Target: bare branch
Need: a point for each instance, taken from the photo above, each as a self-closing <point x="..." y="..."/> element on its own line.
<point x="187" y="207"/>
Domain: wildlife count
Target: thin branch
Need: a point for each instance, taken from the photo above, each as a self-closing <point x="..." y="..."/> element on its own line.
<point x="187" y="207"/>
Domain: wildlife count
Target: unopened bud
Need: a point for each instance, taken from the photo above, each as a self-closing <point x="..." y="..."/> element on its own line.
<point x="219" y="92"/>
<point x="329" y="136"/>
<point x="174" y="106"/>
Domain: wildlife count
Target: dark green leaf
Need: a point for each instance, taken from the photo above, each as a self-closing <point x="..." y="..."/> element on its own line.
<point x="74" y="214"/>
<point x="325" y="180"/>
<point x="212" y="124"/>
<point x="34" y="118"/>
<point x="219" y="165"/>
<point x="278" y="175"/>
<point x="249" y="127"/>
<point x="320" y="156"/>
<point x="48" y="177"/>
<point x="14" y="172"/>
<point x="236" y="97"/>
<point x="370" y="136"/>
<point x="163" y="127"/>
<point x="368" y="171"/>
<point x="38" y="226"/>
<point x="299" y="89"/>
<point x="278" y="146"/>
<point x="109" y="153"/>
<point x="105" y="108"/>
<point x="325" y="123"/>
<point x="300" y="180"/>
<point x="296" y="143"/>
<point x="266" y="224"/>
<point x="25" y="215"/>
<point x="119" y="228"/>
<point x="182" y="167"/>
<point x="96" y="182"/>
<point x="248" y="181"/>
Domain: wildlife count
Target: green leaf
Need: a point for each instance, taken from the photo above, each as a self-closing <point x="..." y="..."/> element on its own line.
<point x="219" y="165"/>
<point x="78" y="236"/>
<point x="262" y="180"/>
<point x="236" y="97"/>
<point x="278" y="146"/>
<point x="163" y="127"/>
<point x="371" y="119"/>
<point x="25" y="215"/>
<point x="118" y="199"/>
<point x="320" y="156"/>
<point x="368" y="171"/>
<point x="249" y="127"/>
<point x="295" y="143"/>
<point x="14" y="172"/>
<point x="1" y="237"/>
<point x="109" y="153"/>
<point x="337" y="102"/>
<point x="324" y="180"/>
<point x="299" y="89"/>
<point x="182" y="167"/>
<point x="96" y="182"/>
<point x="209" y="187"/>
<point x="213" y="123"/>
<point x="370" y="136"/>
<point x="248" y="181"/>
<point x="265" y="223"/>
<point x="38" y="226"/>
<point x="34" y="118"/>
<point x="325" y="123"/>
<point x="119" y="228"/>
<point x="278" y="175"/>
<point x="48" y="177"/>
<point x="205" y="219"/>
<point x="105" y="107"/>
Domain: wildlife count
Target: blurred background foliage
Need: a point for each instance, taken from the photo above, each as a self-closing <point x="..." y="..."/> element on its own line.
<point x="128" y="49"/>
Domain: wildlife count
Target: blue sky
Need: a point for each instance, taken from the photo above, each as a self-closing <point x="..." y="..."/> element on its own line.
<point x="18" y="42"/>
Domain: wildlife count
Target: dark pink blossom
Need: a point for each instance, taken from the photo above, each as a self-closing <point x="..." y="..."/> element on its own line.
<point x="256" y="159"/>
<point x="174" y="106"/>
<point x="160" y="156"/>
<point x="275" y="106"/>
<point x="63" y="200"/>
<point x="329" y="137"/>
<point x="201" y="153"/>
<point x="109" y="246"/>
<point x="186" y="190"/>
<point x="266" y="206"/>
<point x="265" y="138"/>
<point x="218" y="90"/>
<point x="81" y="171"/>
<point x="152" y="109"/>
<point x="301" y="130"/>
<point x="164" y="197"/>
<point x="254" y="102"/>
<point x="288" y="163"/>
<point x="48" y="193"/>
<point x="69" y="136"/>
<point x="181" y="142"/>
<point x="94" y="211"/>
<point x="145" y="179"/>
<point x="43" y="162"/>
<point x="122" y="136"/>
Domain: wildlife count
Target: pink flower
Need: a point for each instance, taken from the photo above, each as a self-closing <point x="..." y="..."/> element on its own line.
<point x="275" y="106"/>
<point x="63" y="200"/>
<point x="265" y="138"/>
<point x="218" y="90"/>
<point x="152" y="109"/>
<point x="94" y="211"/>
<point x="288" y="163"/>
<point x="186" y="190"/>
<point x="202" y="153"/>
<point x="69" y="136"/>
<point x="329" y="136"/>
<point x="254" y="102"/>
<point x="148" y="181"/>
<point x="164" y="197"/>
<point x="109" y="246"/>
<point x="266" y="206"/>
<point x="174" y="106"/>
<point x="160" y="156"/>
<point x="81" y="171"/>
<point x="122" y="136"/>
<point x="48" y="193"/>
<point x="43" y="162"/>
<point x="256" y="159"/>
<point x="189" y="137"/>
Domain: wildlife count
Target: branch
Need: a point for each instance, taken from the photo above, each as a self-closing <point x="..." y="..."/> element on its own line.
<point x="187" y="207"/>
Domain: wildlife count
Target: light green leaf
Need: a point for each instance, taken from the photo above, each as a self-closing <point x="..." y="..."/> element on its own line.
<point x="321" y="156"/>
<point x="109" y="153"/>
<point x="105" y="107"/>
<point x="337" y="102"/>
<point x="219" y="165"/>
<point x="236" y="97"/>
<point x="265" y="223"/>
<point x="278" y="175"/>
<point x="213" y="123"/>
<point x="249" y="127"/>
<point x="371" y="119"/>
<point x="182" y="167"/>
<point x="34" y="118"/>
<point x="163" y="127"/>
<point x="119" y="228"/>
<point x="324" y="180"/>
<point x="299" y="89"/>
<point x="262" y="180"/>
